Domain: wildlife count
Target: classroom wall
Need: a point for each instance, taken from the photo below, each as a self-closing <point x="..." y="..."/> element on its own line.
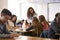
<point x="3" y="4"/>
<point x="15" y="4"/>
<point x="15" y="7"/>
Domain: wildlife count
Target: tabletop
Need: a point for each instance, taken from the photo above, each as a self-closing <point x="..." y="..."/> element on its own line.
<point x="26" y="38"/>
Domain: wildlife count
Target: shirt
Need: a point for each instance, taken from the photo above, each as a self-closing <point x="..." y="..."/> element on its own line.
<point x="54" y="28"/>
<point x="3" y="31"/>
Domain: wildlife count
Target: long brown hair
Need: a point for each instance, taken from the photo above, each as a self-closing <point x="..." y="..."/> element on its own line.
<point x="35" y="21"/>
<point x="29" y="13"/>
<point x="15" y="19"/>
<point x="42" y="18"/>
<point x="37" y="26"/>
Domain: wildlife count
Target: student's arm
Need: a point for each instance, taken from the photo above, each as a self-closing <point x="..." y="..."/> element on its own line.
<point x="55" y="28"/>
<point x="4" y="35"/>
<point x="29" y="28"/>
<point x="8" y="35"/>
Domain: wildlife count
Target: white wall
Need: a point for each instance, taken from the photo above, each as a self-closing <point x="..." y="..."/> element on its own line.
<point x="53" y="9"/>
<point x="3" y="4"/>
<point x="44" y="10"/>
<point x="14" y="6"/>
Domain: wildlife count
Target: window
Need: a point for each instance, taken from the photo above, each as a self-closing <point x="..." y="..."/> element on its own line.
<point x="53" y="9"/>
<point x="20" y="7"/>
<point x="24" y="7"/>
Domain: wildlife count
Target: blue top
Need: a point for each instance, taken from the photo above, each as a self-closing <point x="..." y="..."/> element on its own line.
<point x="54" y="28"/>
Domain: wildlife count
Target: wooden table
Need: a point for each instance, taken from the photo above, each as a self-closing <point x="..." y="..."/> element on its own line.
<point x="7" y="39"/>
<point x="25" y="33"/>
<point x="27" y="38"/>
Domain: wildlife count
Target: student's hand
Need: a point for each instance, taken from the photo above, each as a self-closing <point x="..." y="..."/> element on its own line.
<point x="14" y="35"/>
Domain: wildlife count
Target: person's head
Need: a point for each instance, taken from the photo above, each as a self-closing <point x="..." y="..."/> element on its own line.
<point x="22" y="21"/>
<point x="26" y="22"/>
<point x="35" y="21"/>
<point x="57" y="18"/>
<point x="14" y="18"/>
<point x="30" y="12"/>
<point x="5" y="15"/>
<point x="42" y="18"/>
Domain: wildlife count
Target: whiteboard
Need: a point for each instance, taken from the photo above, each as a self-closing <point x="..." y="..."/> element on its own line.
<point x="53" y="9"/>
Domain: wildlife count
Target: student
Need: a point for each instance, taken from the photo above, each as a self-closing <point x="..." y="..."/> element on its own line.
<point x="44" y="23"/>
<point x="25" y="25"/>
<point x="20" y="23"/>
<point x="36" y="26"/>
<point x="55" y="27"/>
<point x="5" y="15"/>
<point x="45" y="26"/>
<point x="30" y="14"/>
<point x="12" y="22"/>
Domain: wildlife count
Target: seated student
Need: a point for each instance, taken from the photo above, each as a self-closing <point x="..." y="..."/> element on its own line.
<point x="36" y="26"/>
<point x="25" y="25"/>
<point x="20" y="23"/>
<point x="43" y="22"/>
<point x="12" y="22"/>
<point x="55" y="27"/>
<point x="5" y="15"/>
<point x="45" y="26"/>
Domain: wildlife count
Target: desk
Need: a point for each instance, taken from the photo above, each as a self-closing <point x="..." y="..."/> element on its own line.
<point x="58" y="35"/>
<point x="7" y="39"/>
<point x="26" y="33"/>
<point x="27" y="38"/>
<point x="33" y="38"/>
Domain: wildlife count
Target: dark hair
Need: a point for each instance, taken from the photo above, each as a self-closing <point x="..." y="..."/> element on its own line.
<point x="29" y="14"/>
<point x="26" y="22"/>
<point x="42" y="18"/>
<point x="56" y="15"/>
<point x="6" y="12"/>
<point x="12" y="18"/>
<point x="35" y="19"/>
<point x="22" y="20"/>
<point x="37" y="26"/>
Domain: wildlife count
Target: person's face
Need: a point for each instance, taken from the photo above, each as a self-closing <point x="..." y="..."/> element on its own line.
<point x="14" y="18"/>
<point x="5" y="18"/>
<point x="40" y="19"/>
<point x="58" y="19"/>
<point x="31" y="10"/>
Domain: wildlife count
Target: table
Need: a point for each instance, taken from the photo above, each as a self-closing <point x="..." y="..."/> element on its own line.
<point x="27" y="38"/>
<point x="32" y="38"/>
<point x="58" y="35"/>
<point x="26" y="33"/>
<point x="7" y="39"/>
